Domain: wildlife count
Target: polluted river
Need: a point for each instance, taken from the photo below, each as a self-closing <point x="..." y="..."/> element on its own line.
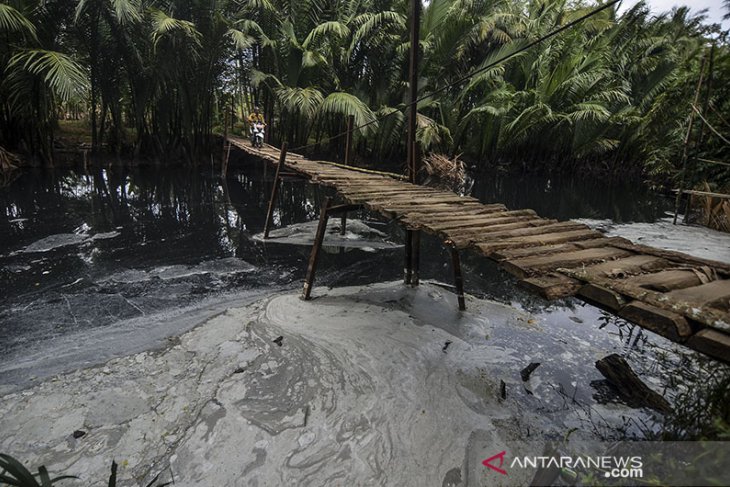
<point x="144" y="320"/>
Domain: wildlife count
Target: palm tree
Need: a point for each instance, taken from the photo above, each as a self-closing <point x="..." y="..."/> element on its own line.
<point x="35" y="79"/>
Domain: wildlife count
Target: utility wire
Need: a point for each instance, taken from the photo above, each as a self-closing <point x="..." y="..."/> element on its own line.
<point x="709" y="125"/>
<point x="524" y="48"/>
<point x="712" y="161"/>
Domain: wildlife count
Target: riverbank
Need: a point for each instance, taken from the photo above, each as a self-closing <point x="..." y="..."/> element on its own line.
<point x="383" y="384"/>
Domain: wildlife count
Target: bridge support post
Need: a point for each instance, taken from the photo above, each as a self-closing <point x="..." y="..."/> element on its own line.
<point x="348" y="140"/>
<point x="274" y="191"/>
<point x="416" y="258"/>
<point x="407" y="263"/>
<point x="458" y="278"/>
<point x="316" y="247"/>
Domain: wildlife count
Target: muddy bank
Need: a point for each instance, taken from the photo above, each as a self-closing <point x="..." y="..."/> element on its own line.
<point x="382" y="384"/>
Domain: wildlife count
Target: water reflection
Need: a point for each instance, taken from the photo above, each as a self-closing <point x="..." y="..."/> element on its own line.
<point x="132" y="242"/>
<point x="565" y="197"/>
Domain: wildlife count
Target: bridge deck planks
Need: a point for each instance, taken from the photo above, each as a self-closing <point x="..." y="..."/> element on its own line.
<point x="684" y="298"/>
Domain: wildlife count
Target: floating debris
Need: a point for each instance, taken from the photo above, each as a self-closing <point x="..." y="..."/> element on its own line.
<point x="525" y="373"/>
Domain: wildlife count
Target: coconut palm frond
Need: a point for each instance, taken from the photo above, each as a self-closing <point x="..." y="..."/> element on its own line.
<point x="311" y="59"/>
<point x="345" y="104"/>
<point x="241" y="40"/>
<point x="11" y="20"/>
<point x="330" y="30"/>
<point x="305" y="101"/>
<point x="164" y="25"/>
<point x="59" y="71"/>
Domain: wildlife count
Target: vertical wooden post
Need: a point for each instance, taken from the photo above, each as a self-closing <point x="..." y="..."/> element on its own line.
<point x="416" y="258"/>
<point x="274" y="191"/>
<point x="314" y="256"/>
<point x="413" y="87"/>
<point x="412" y="238"/>
<point x="348" y="156"/>
<point x="224" y="169"/>
<point x="348" y="140"/>
<point x="687" y="139"/>
<point x="458" y="278"/>
<point x="416" y="253"/>
<point x="225" y="131"/>
<point x="408" y="248"/>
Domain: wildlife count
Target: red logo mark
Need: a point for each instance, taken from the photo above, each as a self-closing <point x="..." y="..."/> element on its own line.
<point x="488" y="462"/>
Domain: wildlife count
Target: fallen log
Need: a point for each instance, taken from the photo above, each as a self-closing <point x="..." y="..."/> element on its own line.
<point x="619" y="373"/>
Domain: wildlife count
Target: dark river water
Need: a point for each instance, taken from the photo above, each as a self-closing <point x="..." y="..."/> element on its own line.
<point x="115" y="248"/>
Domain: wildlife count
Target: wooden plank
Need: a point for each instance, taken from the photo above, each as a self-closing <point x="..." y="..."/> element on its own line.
<point x="634" y="264"/>
<point x="520" y="224"/>
<point x="490" y="225"/>
<point x="406" y="204"/>
<point x="403" y="207"/>
<point x="668" y="280"/>
<point x="715" y="294"/>
<point x="711" y="342"/>
<point x="536" y="240"/>
<point x="485" y="222"/>
<point x="540" y="234"/>
<point x="375" y="197"/>
<point x="465" y="215"/>
<point x="708" y="316"/>
<point x="666" y="323"/>
<point x="460" y="212"/>
<point x="516" y="253"/>
<point x="381" y="192"/>
<point x="531" y="265"/>
<point x="722" y="267"/>
<point x="551" y="286"/>
<point x="407" y="196"/>
<point x="601" y="296"/>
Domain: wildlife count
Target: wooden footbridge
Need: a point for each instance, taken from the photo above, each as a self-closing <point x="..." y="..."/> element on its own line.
<point x="684" y="298"/>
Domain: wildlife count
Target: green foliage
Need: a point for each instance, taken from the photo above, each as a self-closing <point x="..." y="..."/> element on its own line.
<point x="15" y="474"/>
<point x="59" y="72"/>
<point x="611" y="94"/>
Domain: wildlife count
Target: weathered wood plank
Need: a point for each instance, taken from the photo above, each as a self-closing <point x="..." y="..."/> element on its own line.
<point x="465" y="238"/>
<point x="551" y="286"/>
<point x="418" y="201"/>
<point x="380" y="192"/>
<point x="669" y="280"/>
<point x="723" y="267"/>
<point x="634" y="264"/>
<point x="715" y="294"/>
<point x="485" y="221"/>
<point x="520" y="224"/>
<point x="708" y="316"/>
<point x="666" y="323"/>
<point x="460" y="212"/>
<point x="376" y="193"/>
<point x="537" y="240"/>
<point x="712" y="343"/>
<point x="531" y="265"/>
<point x="602" y="297"/>
<point x="517" y="253"/>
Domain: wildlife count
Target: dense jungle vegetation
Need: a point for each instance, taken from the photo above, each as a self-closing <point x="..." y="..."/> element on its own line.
<point x="156" y="78"/>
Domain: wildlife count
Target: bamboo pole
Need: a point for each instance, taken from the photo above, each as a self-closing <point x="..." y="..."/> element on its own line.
<point x="316" y="247"/>
<point x="687" y="139"/>
<point x="274" y="191"/>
